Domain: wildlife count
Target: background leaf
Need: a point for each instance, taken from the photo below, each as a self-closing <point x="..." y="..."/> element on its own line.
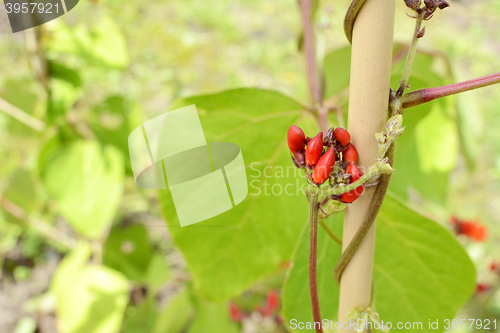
<point x="128" y="251"/>
<point x="86" y="180"/>
<point x="90" y="298"/>
<point x="64" y="89"/>
<point x="337" y="69"/>
<point x="176" y="314"/>
<point x="113" y="120"/>
<point x="21" y="191"/>
<point x="103" y="44"/>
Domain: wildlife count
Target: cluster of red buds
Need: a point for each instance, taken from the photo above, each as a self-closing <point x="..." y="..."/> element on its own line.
<point x="472" y="229"/>
<point x="429" y="7"/>
<point x="331" y="157"/>
<point x="270" y="307"/>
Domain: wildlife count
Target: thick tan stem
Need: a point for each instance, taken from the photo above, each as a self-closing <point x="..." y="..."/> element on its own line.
<point x="368" y="110"/>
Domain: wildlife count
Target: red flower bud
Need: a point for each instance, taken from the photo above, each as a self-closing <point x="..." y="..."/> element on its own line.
<point x="482" y="287"/>
<point x="272" y="301"/>
<point x="352" y="195"/>
<point x="472" y="229"/>
<point x="324" y="168"/>
<point x="350" y="154"/>
<point x="342" y="136"/>
<point x="300" y="158"/>
<point x="235" y="313"/>
<point x="296" y="139"/>
<point x="314" y="149"/>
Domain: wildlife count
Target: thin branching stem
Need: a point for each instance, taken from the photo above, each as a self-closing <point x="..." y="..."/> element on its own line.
<point x="21" y="116"/>
<point x="411" y="55"/>
<point x="43" y="229"/>
<point x="330" y="233"/>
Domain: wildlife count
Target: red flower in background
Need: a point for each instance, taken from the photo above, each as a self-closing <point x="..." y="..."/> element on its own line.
<point x="482" y="287"/>
<point x="235" y="313"/>
<point x="495" y="267"/>
<point x="472" y="229"/>
<point x="272" y="303"/>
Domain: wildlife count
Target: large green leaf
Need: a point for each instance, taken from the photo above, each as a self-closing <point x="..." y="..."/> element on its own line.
<point x="228" y="253"/>
<point x="90" y="298"/>
<point x="421" y="272"/>
<point x="86" y="180"/>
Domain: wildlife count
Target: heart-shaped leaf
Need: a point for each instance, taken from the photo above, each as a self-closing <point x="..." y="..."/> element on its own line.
<point x="228" y="253"/>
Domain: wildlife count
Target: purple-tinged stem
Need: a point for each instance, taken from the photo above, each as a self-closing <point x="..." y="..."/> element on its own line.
<point x="313" y="253"/>
<point x="417" y="97"/>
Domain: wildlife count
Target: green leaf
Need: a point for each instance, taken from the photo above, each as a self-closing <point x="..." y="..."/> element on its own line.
<point x="103" y="44"/>
<point x="421" y="271"/>
<point x="437" y="142"/>
<point x="86" y="181"/>
<point x="21" y="191"/>
<point x="158" y="273"/>
<point x="128" y="251"/>
<point x="470" y="128"/>
<point x="64" y="89"/>
<point x="409" y="166"/>
<point x="212" y="318"/>
<point x="90" y="298"/>
<point x="295" y="295"/>
<point x="228" y="253"/>
<point x="141" y="318"/>
<point x="23" y="94"/>
<point x="175" y="316"/>
<point x="337" y="69"/>
<point x="113" y="120"/>
<point x="62" y="72"/>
